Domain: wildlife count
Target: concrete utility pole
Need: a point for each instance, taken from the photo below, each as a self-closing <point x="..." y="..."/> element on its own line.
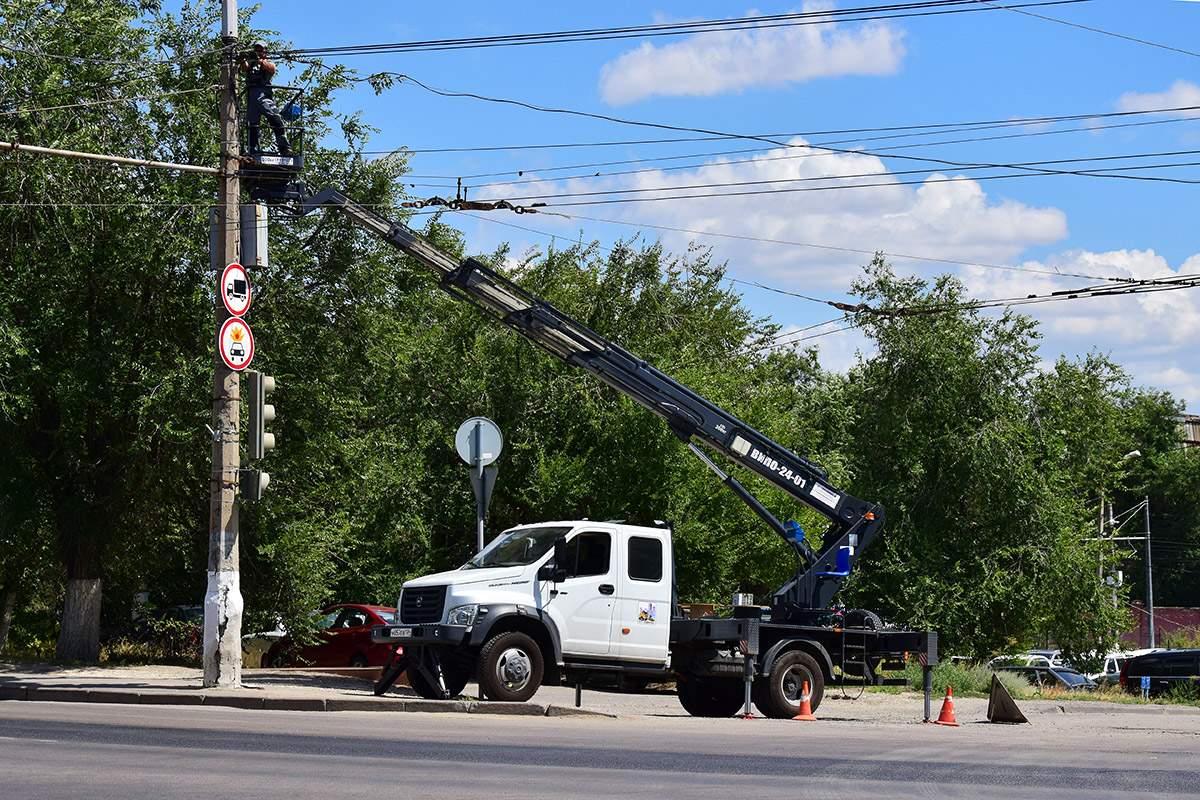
<point x="1149" y="578"/>
<point x="223" y="599"/>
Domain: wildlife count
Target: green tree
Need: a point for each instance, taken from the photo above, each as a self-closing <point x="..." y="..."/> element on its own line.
<point x="107" y="330"/>
<point x="985" y="465"/>
<point x="100" y="322"/>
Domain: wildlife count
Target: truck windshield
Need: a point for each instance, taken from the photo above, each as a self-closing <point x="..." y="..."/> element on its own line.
<point x="517" y="548"/>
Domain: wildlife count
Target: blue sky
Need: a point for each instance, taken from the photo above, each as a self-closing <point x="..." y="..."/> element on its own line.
<point x="909" y="195"/>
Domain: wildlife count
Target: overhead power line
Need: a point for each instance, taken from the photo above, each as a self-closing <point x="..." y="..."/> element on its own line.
<point x="908" y="130"/>
<point x="954" y="164"/>
<point x="1018" y="10"/>
<point x="1111" y="286"/>
<point x="821" y="17"/>
<point x="141" y="64"/>
<point x="86" y="103"/>
<point x="596" y="199"/>
<point x="914" y="131"/>
<point x="1040" y="167"/>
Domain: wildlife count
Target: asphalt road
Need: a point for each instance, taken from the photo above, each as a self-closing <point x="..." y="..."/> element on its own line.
<point x="52" y="750"/>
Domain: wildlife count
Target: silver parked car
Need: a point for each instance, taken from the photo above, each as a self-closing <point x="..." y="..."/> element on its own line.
<point x="1053" y="677"/>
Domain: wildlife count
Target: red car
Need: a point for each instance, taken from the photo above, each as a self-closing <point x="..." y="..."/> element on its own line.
<point x="343" y="640"/>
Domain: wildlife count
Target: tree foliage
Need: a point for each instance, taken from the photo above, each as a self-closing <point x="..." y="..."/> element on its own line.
<point x="988" y="466"/>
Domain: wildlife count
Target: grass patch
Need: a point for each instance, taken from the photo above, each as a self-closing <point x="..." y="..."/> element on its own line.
<point x="966" y="680"/>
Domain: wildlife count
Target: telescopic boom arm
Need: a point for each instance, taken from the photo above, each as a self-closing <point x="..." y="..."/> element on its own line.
<point x="853" y="522"/>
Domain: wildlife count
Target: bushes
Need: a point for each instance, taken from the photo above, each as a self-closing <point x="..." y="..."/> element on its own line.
<point x="965" y="678"/>
<point x="173" y="636"/>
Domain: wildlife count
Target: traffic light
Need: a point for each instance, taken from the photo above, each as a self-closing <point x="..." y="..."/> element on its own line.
<point x="259" y="412"/>
<point x="253" y="482"/>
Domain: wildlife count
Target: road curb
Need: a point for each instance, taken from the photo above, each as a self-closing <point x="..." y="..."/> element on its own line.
<point x="258" y="702"/>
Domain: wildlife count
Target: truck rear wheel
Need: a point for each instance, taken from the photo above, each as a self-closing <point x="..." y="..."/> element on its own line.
<point x="778" y="695"/>
<point x="510" y="667"/>
<point x="711" y="697"/>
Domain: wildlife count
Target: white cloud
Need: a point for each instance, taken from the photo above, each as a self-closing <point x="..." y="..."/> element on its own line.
<point x="730" y="61"/>
<point x="1151" y="335"/>
<point x="795" y="195"/>
<point x="785" y="195"/>
<point x="1182" y="95"/>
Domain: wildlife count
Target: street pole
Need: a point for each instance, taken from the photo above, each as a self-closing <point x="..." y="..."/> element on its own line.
<point x="223" y="598"/>
<point x="480" y="500"/>
<point x="1149" y="577"/>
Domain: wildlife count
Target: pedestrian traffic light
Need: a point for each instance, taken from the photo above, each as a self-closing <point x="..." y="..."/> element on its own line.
<point x="258" y="412"/>
<point x="253" y="482"/>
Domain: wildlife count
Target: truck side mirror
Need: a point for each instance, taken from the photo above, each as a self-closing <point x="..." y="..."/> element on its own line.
<point x="553" y="570"/>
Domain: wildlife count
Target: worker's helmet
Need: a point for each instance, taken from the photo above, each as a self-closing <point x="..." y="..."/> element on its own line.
<point x="260" y="43"/>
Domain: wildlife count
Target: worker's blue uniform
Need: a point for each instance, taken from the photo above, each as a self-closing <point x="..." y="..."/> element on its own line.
<point x="260" y="103"/>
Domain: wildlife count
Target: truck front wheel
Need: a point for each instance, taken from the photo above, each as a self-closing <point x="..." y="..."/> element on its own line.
<point x="778" y="695"/>
<point x="710" y="697"/>
<point x="510" y="667"/>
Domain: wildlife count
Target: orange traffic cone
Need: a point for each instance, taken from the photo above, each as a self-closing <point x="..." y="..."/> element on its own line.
<point x="805" y="709"/>
<point x="947" y="716"/>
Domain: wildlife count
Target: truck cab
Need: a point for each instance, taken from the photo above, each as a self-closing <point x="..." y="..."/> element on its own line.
<point x="540" y="599"/>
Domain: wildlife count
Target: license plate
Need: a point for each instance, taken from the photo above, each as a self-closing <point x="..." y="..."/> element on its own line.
<point x="400" y="633"/>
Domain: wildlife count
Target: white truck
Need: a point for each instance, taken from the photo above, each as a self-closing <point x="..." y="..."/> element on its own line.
<point x="563" y="600"/>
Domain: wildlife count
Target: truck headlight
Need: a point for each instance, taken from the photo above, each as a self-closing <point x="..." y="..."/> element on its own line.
<point x="462" y="615"/>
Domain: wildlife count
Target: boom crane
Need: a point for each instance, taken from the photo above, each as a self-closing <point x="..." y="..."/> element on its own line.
<point x="853" y="522"/>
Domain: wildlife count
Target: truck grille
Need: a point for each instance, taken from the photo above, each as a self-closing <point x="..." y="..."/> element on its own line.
<point x="423" y="605"/>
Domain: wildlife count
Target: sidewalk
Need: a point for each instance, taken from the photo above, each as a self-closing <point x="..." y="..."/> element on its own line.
<point x="271" y="689"/>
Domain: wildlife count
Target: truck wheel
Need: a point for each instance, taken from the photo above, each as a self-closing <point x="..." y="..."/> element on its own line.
<point x="510" y="667"/>
<point x="711" y="697"/>
<point x="778" y="695"/>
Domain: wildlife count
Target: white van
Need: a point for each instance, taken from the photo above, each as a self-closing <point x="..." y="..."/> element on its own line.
<point x="1114" y="662"/>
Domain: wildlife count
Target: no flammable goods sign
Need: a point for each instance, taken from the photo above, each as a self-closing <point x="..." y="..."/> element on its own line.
<point x="237" y="343"/>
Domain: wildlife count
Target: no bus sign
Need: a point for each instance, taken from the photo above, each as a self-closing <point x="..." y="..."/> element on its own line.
<point x="237" y="344"/>
<point x="235" y="289"/>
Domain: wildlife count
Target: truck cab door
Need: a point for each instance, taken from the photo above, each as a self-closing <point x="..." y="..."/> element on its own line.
<point x="642" y="624"/>
<point x="583" y="602"/>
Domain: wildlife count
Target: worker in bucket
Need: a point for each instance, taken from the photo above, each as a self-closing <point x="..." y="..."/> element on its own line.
<point x="260" y="98"/>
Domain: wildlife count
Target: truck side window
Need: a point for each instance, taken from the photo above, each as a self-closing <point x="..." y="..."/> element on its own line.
<point x="589" y="554"/>
<point x="645" y="558"/>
